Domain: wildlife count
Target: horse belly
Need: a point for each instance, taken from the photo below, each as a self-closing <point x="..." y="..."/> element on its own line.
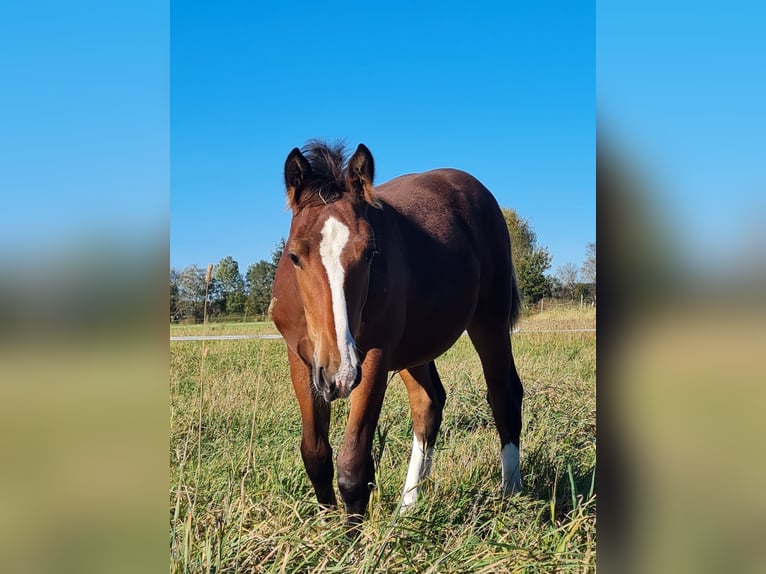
<point x="436" y="322"/>
<point x="412" y="351"/>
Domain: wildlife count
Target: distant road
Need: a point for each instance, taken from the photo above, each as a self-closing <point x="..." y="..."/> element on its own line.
<point x="276" y="336"/>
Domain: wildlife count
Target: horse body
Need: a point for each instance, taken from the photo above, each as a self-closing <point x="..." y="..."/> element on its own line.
<point x="406" y="269"/>
<point x="430" y="271"/>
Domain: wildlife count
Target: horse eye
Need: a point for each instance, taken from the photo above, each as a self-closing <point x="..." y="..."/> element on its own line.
<point x="295" y="260"/>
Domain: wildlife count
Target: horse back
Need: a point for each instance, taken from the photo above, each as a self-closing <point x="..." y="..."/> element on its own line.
<point x="446" y="213"/>
<point x="447" y="254"/>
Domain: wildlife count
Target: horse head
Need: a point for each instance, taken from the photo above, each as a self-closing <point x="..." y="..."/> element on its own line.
<point x="330" y="249"/>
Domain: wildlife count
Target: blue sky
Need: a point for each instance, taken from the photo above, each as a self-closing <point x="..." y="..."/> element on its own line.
<point x="88" y="91"/>
<point x="681" y="87"/>
<point x="506" y="93"/>
<point x="84" y="116"/>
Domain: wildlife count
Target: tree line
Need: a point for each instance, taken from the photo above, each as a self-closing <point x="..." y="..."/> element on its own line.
<point x="229" y="292"/>
<point x="532" y="262"/>
<point x="573" y="284"/>
<point x="232" y="294"/>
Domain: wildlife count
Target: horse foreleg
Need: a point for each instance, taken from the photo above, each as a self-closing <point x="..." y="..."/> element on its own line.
<point x="315" y="446"/>
<point x="427" y="397"/>
<point x="356" y="471"/>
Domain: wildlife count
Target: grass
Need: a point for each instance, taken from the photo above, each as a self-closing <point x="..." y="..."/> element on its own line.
<point x="224" y="328"/>
<point x="555" y="316"/>
<point x="559" y="316"/>
<point x="240" y="500"/>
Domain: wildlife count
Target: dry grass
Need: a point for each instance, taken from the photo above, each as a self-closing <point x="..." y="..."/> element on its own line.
<point x="232" y="328"/>
<point x="559" y="316"/>
<point x="252" y="508"/>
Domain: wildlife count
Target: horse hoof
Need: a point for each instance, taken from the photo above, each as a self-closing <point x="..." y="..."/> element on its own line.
<point x="512" y="488"/>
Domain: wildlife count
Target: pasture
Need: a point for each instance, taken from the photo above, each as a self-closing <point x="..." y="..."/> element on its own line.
<point x="240" y="499"/>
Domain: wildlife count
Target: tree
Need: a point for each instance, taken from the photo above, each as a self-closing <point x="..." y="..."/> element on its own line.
<point x="585" y="291"/>
<point x="588" y="270"/>
<point x="530" y="275"/>
<point x="230" y="287"/>
<point x="276" y="255"/>
<point x="530" y="260"/>
<point x="523" y="237"/>
<point x="567" y="275"/>
<point x="174" y="291"/>
<point x="557" y="288"/>
<point x="260" y="281"/>
<point x="191" y="291"/>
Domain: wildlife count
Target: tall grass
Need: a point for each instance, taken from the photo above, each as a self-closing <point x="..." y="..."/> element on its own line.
<point x="252" y="507"/>
<point x="559" y="315"/>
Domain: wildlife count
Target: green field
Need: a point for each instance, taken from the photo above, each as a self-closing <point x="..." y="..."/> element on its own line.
<point x="240" y="500"/>
<point x="231" y="328"/>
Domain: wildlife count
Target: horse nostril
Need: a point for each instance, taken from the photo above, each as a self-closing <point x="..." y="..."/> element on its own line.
<point x="327" y="382"/>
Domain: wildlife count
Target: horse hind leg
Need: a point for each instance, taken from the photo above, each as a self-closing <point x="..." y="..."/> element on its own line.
<point x="427" y="396"/>
<point x="504" y="394"/>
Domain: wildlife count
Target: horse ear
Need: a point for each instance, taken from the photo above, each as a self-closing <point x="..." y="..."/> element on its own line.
<point x="360" y="173"/>
<point x="297" y="170"/>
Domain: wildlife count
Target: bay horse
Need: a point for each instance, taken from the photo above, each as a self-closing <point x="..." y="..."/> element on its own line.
<point x="386" y="278"/>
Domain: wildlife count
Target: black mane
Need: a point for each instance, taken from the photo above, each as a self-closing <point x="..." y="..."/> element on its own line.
<point x="328" y="167"/>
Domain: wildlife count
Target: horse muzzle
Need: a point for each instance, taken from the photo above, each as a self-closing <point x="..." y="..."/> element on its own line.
<point x="338" y="385"/>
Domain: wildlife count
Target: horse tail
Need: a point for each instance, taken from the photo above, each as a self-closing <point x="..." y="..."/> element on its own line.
<point x="515" y="297"/>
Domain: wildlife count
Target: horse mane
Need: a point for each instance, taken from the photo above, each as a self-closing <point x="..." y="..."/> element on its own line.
<point x="327" y="180"/>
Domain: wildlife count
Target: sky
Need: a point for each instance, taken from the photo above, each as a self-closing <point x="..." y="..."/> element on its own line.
<point x="130" y="120"/>
<point x="681" y="89"/>
<point x="84" y="125"/>
<point x="506" y="93"/>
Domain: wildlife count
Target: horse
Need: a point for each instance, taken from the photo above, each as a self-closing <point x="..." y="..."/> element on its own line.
<point x="383" y="279"/>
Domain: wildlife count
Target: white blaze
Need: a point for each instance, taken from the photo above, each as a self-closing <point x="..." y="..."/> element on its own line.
<point x="420" y="466"/>
<point x="511" y="476"/>
<point x="334" y="238"/>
